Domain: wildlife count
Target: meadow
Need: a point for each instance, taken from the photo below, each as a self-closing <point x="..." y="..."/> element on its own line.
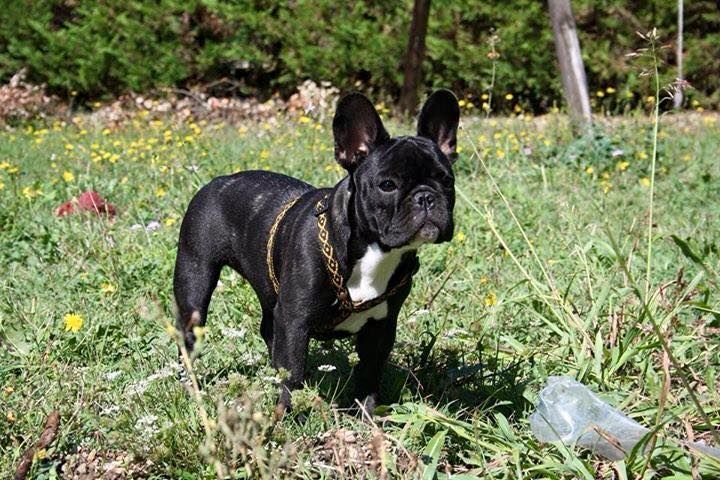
<point x="549" y="273"/>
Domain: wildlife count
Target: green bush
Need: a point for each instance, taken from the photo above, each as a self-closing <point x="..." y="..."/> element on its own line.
<point x="259" y="47"/>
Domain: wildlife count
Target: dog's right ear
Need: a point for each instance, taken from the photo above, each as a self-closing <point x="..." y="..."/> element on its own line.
<point x="357" y="129"/>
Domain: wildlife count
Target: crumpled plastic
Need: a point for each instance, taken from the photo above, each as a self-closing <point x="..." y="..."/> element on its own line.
<point x="570" y="412"/>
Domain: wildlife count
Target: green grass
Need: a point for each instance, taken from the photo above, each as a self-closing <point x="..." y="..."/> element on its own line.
<point x="487" y="322"/>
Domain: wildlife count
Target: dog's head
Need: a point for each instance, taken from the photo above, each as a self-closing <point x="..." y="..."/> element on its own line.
<point x="403" y="187"/>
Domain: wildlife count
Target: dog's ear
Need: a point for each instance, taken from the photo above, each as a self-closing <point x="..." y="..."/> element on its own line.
<point x="357" y="129"/>
<point x="439" y="120"/>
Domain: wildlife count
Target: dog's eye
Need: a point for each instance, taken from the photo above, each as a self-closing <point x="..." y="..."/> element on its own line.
<point x="388" y="186"/>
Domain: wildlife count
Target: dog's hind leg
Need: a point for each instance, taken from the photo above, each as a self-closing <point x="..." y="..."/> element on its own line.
<point x="266" y="327"/>
<point x="193" y="284"/>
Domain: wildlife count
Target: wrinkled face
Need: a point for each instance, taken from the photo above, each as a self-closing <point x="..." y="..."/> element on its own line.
<point x="405" y="193"/>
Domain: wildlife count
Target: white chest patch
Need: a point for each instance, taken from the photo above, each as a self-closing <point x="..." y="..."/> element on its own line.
<point x="369" y="279"/>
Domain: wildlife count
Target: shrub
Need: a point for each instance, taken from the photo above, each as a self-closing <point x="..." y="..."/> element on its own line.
<point x="258" y="47"/>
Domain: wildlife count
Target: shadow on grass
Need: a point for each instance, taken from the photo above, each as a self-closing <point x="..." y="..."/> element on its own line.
<point x="438" y="375"/>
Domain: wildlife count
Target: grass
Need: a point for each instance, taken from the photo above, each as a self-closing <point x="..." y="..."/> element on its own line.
<point x="494" y="313"/>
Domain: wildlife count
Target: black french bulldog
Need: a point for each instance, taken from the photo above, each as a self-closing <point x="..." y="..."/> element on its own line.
<point x="331" y="262"/>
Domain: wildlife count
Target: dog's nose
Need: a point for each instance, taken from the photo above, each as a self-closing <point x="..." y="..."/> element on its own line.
<point x="425" y="199"/>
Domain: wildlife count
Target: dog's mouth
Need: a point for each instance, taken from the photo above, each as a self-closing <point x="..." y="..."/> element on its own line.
<point x="427" y="233"/>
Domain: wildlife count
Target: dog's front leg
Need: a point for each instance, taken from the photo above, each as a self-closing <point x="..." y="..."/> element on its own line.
<point x="374" y="343"/>
<point x="289" y="352"/>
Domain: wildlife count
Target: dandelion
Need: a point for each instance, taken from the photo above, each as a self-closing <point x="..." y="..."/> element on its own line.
<point x="490" y="299"/>
<point x="610" y="90"/>
<point x="484" y="96"/>
<point x="68" y="176"/>
<point x="170" y="221"/>
<point x="69" y="147"/>
<point x="2" y="185"/>
<point x="264" y="154"/>
<point x="326" y="368"/>
<point x="645" y="182"/>
<point x="160" y="192"/>
<point x="460" y="237"/>
<point x="509" y="96"/>
<point x="73" y="322"/>
<point x="461" y="103"/>
<point x="589" y="170"/>
<point x="107" y="287"/>
<point x="483" y="280"/>
<point x="641" y="155"/>
<point x="30" y="193"/>
<point x="600" y="94"/>
<point x="622" y="166"/>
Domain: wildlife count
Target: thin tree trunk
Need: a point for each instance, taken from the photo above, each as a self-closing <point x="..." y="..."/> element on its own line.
<point x="678" y="97"/>
<point x="572" y="69"/>
<point x="412" y="65"/>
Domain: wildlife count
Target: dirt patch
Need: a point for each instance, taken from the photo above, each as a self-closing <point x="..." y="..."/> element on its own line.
<point x="347" y="453"/>
<point x="108" y="465"/>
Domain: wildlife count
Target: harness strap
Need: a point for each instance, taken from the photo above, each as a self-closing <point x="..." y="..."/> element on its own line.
<point x="271" y="242"/>
<point x="347" y="305"/>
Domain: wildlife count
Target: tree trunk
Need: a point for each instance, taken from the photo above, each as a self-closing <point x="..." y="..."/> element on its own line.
<point x="412" y="65"/>
<point x="678" y="96"/>
<point x="572" y="69"/>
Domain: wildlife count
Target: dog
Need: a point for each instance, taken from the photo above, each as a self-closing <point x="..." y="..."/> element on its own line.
<point x="330" y="262"/>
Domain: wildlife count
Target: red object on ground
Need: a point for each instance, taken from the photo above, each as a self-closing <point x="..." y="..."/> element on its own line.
<point x="89" y="201"/>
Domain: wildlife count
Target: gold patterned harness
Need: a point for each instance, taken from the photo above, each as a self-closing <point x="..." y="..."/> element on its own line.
<point x="346" y="306"/>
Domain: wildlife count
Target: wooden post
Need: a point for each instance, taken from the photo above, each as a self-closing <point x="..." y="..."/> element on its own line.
<point x="678" y="96"/>
<point x="572" y="69"/>
<point x="412" y="66"/>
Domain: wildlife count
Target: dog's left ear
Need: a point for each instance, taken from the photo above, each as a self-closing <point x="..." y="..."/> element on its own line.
<point x="439" y="120"/>
<point x="357" y="129"/>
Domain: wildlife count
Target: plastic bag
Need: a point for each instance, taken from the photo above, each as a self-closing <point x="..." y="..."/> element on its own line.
<point x="568" y="411"/>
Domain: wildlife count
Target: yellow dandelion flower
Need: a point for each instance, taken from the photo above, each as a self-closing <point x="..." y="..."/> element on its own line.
<point x="107" y="287"/>
<point x="264" y="154"/>
<point x="160" y="192"/>
<point x="484" y="96"/>
<point x="490" y="299"/>
<point x="4" y="165"/>
<point x="2" y="185"/>
<point x="68" y="176"/>
<point x="509" y="96"/>
<point x="622" y="166"/>
<point x="170" y="221"/>
<point x="461" y="103"/>
<point x="610" y="90"/>
<point x="73" y="322"/>
<point x="30" y="193"/>
<point x="460" y="237"/>
<point x="641" y="155"/>
<point x="483" y="280"/>
<point x="600" y="94"/>
<point x="645" y="182"/>
<point x="589" y="170"/>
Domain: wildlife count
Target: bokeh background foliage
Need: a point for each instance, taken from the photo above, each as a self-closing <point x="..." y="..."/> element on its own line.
<point x="96" y="48"/>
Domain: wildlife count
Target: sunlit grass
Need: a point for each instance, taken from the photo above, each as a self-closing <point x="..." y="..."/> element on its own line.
<point x="485" y="325"/>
